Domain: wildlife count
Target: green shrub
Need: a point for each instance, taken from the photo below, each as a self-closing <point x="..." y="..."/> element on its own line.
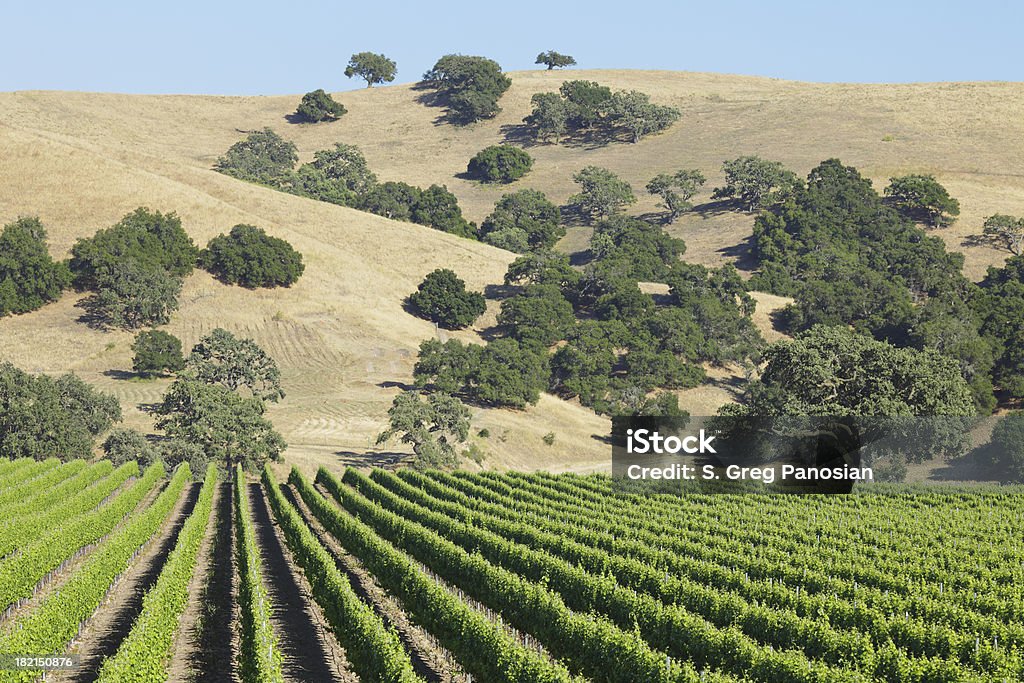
<point x="123" y="445"/>
<point x="439" y="209"/>
<point x="129" y="296"/>
<point x="153" y="240"/>
<point x="157" y="353"/>
<point x="317" y="106"/>
<point x="500" y="164"/>
<point x="1008" y="444"/>
<point x="29" y="277"/>
<point x="263" y="157"/>
<point x="442" y="298"/>
<point x="549" y="439"/>
<point x="249" y="257"/>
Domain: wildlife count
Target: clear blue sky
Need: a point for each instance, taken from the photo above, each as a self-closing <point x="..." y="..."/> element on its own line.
<point x="213" y="46"/>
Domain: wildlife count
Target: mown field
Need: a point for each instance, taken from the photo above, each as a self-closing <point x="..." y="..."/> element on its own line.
<point x="408" y="576"/>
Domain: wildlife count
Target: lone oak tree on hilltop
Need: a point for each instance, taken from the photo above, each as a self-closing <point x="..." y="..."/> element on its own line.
<point x="372" y="68"/>
<point x="555" y="60"/>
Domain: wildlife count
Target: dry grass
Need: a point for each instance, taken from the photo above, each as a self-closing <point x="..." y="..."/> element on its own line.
<point x="81" y="161"/>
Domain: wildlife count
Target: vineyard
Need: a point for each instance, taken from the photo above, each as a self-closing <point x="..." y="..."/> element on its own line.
<point x="146" y="575"/>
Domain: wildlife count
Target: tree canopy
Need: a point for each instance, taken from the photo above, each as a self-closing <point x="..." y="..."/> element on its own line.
<point x="555" y="60"/>
<point x="923" y="199"/>
<point x="29" y="277"/>
<point x="318" y="106"/>
<point x="43" y="417"/>
<point x="157" y="353"/>
<point x="371" y="67"/>
<point x="340" y="175"/>
<point x="442" y="297"/>
<point x="235" y="364"/>
<point x="433" y="427"/>
<point x="1006" y="232"/>
<point x="469" y="86"/>
<point x="1008" y="444"/>
<point x="154" y="241"/>
<point x="230" y="428"/>
<point x="602" y="193"/>
<point x="250" y="257"/>
<point x="523" y="221"/>
<point x="263" y="157"/>
<point x="592" y="112"/>
<point x="676" y="190"/>
<point x="756" y="183"/>
<point x="129" y="296"/>
<point x="500" y="164"/>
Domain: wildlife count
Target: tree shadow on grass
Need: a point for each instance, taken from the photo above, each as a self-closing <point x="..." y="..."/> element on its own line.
<point x="382" y="459"/>
<point x="520" y="134"/>
<point x="742" y="254"/>
<point x="974" y="466"/>
<point x="717" y="208"/>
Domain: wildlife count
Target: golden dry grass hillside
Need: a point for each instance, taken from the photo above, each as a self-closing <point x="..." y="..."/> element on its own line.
<point x="80" y="161"/>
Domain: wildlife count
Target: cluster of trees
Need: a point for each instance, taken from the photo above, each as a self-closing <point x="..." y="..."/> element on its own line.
<point x="442" y="297"/>
<point x="43" y="417"/>
<point x="135" y="269"/>
<point x="500" y="164"/>
<point x="468" y="86"/>
<point x="249" y="257"/>
<point x="341" y="176"/>
<point x="589" y="110"/>
<point x="29" y="277"/>
<point x="595" y="335"/>
<point x="853" y="258"/>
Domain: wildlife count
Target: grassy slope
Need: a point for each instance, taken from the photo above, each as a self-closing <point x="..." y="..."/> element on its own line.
<point x="81" y="161"/>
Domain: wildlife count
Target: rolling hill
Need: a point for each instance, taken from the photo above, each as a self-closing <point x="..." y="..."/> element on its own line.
<point x="80" y="161"/>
